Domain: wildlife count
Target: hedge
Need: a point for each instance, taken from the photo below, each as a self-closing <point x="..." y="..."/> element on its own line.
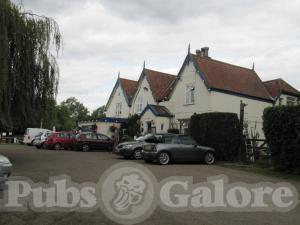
<point x="282" y="131"/>
<point x="217" y="130"/>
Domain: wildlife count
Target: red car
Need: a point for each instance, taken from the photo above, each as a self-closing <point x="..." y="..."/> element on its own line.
<point x="60" y="140"/>
<point x="92" y="141"/>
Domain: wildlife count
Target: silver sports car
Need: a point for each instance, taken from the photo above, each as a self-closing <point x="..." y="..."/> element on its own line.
<point x="5" y="168"/>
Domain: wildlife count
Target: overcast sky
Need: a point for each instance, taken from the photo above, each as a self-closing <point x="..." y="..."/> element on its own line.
<point x="102" y="37"/>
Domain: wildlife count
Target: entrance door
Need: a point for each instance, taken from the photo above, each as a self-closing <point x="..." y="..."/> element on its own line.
<point x="149" y="127"/>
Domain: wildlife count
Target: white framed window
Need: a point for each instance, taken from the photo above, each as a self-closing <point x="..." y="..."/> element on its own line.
<point x="139" y="106"/>
<point x="291" y="101"/>
<point x="119" y="109"/>
<point x="189" y="94"/>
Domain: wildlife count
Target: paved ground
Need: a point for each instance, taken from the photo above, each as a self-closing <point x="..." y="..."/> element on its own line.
<point x="40" y="164"/>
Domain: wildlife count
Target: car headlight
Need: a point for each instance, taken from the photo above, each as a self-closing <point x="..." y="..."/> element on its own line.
<point x="4" y="160"/>
<point x="150" y="148"/>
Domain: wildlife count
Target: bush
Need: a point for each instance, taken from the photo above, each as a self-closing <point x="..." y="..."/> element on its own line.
<point x="219" y="131"/>
<point x="132" y="127"/>
<point x="173" y="131"/>
<point x="282" y="131"/>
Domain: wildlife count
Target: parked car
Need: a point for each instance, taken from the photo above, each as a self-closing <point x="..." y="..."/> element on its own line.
<point x="177" y="148"/>
<point x="92" y="141"/>
<point x="30" y="134"/>
<point x="59" y="140"/>
<point x="133" y="149"/>
<point x="40" y="139"/>
<point x="5" y="169"/>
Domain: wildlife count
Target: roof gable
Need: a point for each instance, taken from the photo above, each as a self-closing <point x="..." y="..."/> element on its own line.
<point x="157" y="110"/>
<point x="278" y="86"/>
<point x="128" y="89"/>
<point x="159" y="83"/>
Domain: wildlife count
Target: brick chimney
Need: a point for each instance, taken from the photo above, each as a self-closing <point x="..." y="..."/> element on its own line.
<point x="204" y="51"/>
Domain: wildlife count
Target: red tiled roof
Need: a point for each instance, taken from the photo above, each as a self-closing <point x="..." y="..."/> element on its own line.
<point x="278" y="86"/>
<point x="230" y="78"/>
<point x="159" y="83"/>
<point x="129" y="87"/>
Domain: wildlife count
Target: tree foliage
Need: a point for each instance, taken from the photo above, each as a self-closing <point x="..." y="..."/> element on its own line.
<point x="218" y="130"/>
<point x="29" y="74"/>
<point x="98" y="113"/>
<point x="77" y="110"/>
<point x="281" y="125"/>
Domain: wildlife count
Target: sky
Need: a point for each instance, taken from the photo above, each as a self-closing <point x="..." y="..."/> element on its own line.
<point x="104" y="37"/>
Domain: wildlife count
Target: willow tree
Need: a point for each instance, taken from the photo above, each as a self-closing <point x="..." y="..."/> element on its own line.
<point x="29" y="74"/>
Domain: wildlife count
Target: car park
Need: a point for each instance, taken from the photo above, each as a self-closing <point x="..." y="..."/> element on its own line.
<point x="5" y="168"/>
<point x="92" y="141"/>
<point x="177" y="148"/>
<point x="133" y="149"/>
<point x="60" y="140"/>
<point x="40" y="139"/>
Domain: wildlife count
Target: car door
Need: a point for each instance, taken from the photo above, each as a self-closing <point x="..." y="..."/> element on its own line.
<point x="104" y="142"/>
<point x="178" y="150"/>
<point x="93" y="140"/>
<point x="190" y="149"/>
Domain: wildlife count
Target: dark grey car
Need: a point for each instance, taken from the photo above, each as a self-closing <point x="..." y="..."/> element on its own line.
<point x="133" y="149"/>
<point x="178" y="148"/>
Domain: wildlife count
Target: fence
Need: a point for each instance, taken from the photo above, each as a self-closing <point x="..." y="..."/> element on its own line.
<point x="257" y="151"/>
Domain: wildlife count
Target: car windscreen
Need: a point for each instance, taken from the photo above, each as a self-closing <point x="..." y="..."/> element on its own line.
<point x="144" y="138"/>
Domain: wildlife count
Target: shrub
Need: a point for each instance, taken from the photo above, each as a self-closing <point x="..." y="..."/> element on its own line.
<point x="281" y="125"/>
<point x="132" y="127"/>
<point x="219" y="131"/>
<point x="173" y="131"/>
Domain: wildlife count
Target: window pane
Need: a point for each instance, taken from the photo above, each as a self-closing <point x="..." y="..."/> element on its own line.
<point x="187" y="140"/>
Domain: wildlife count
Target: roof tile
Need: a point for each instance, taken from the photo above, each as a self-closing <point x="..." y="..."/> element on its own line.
<point x="159" y="83"/>
<point x="235" y="79"/>
<point x="278" y="86"/>
<point x="129" y="87"/>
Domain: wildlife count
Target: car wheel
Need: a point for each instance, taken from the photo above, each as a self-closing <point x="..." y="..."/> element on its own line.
<point x="57" y="147"/>
<point x="85" y="148"/>
<point x="209" y="158"/>
<point x="164" y="158"/>
<point x="43" y="146"/>
<point x="38" y="146"/>
<point x="137" y="154"/>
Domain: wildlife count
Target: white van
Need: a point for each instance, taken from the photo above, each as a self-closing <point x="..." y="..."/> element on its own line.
<point x="30" y="134"/>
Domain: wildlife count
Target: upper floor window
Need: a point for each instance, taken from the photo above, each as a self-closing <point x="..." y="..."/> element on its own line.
<point x="189" y="94"/>
<point x="291" y="101"/>
<point x="119" y="109"/>
<point x="139" y="106"/>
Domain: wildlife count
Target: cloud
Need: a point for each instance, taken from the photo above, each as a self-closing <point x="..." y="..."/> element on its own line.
<point x="103" y="37"/>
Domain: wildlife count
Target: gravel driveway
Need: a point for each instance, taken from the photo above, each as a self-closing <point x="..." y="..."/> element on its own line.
<point x="82" y="167"/>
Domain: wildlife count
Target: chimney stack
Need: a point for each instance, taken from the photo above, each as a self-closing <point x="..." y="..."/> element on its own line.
<point x="198" y="52"/>
<point x="204" y="51"/>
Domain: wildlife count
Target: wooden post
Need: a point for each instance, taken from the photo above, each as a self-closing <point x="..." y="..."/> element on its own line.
<point x="241" y="138"/>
